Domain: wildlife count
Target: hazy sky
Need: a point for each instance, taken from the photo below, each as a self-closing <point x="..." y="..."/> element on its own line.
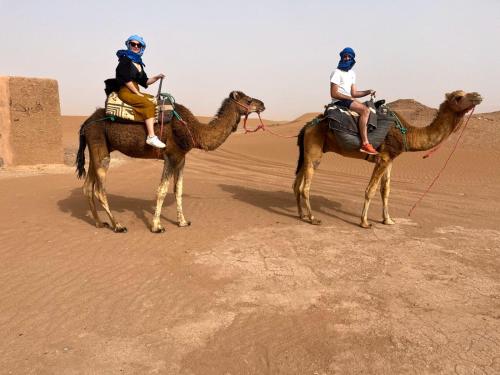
<point x="281" y="52"/>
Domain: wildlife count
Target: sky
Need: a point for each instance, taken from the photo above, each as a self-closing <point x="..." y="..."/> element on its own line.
<point x="281" y="52"/>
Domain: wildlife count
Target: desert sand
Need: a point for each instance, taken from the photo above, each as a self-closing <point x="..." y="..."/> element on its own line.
<point x="248" y="288"/>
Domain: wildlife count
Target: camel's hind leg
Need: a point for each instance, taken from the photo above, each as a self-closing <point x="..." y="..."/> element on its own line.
<point x="89" y="191"/>
<point x="100" y="162"/>
<point x="312" y="158"/>
<point x="385" y="189"/>
<point x="379" y="171"/>
<point x="298" y="186"/>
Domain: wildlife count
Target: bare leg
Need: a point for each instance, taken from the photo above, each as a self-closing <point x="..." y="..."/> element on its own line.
<point x="364" y="113"/>
<point x="150" y="126"/>
<point x="385" y="189"/>
<point x="378" y="172"/>
<point x="178" y="186"/>
<point x="162" y="192"/>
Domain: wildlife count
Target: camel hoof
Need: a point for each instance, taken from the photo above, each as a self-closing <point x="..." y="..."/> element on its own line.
<point x="120" y="229"/>
<point x="365" y="225"/>
<point x="184" y="224"/>
<point x="389" y="222"/>
<point x="315" y="221"/>
<point x="160" y="229"/>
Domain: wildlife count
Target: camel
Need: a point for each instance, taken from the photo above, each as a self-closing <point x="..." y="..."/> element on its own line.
<point x="315" y="138"/>
<point x="180" y="136"/>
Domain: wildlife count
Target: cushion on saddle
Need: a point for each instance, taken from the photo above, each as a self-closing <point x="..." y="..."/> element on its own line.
<point x="344" y="123"/>
<point x="121" y="110"/>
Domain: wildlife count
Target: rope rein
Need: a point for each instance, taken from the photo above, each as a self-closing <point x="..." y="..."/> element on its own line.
<point x="261" y="125"/>
<point x="445" y="164"/>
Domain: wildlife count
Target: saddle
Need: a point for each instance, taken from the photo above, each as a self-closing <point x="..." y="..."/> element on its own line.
<point x="344" y="123"/>
<point x="115" y="107"/>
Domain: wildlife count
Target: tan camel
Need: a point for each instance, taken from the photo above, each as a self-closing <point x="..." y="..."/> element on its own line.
<point x="315" y="138"/>
<point x="103" y="137"/>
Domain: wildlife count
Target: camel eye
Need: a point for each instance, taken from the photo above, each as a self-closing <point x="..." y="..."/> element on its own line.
<point x="458" y="98"/>
<point x="249" y="100"/>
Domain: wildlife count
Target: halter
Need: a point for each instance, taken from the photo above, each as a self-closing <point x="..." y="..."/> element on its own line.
<point x="261" y="125"/>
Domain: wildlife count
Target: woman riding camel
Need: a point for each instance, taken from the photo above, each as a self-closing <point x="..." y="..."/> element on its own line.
<point x="343" y="92"/>
<point x="129" y="75"/>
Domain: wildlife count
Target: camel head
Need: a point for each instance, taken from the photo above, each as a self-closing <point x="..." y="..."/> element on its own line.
<point x="461" y="102"/>
<point x="246" y="104"/>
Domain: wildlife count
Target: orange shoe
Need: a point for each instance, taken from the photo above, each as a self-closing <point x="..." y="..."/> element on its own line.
<point x="367" y="148"/>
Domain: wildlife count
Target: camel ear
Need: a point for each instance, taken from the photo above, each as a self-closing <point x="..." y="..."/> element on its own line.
<point x="235" y="95"/>
<point x="449" y="96"/>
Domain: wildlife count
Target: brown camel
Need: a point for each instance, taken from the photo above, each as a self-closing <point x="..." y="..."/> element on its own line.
<point x="104" y="136"/>
<point x="315" y="138"/>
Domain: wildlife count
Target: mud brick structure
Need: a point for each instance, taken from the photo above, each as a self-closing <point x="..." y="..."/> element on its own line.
<point x="30" y="122"/>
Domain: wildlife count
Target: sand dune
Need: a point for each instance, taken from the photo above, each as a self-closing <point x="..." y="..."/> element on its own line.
<point x="248" y="288"/>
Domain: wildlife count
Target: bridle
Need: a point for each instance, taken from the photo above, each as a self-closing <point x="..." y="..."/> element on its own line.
<point x="261" y="125"/>
<point x="247" y="113"/>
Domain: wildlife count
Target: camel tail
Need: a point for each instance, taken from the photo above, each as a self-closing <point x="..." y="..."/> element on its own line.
<point x="300" y="143"/>
<point x="80" y="156"/>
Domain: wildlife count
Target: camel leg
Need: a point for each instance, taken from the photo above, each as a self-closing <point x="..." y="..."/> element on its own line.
<point x="156" y="226"/>
<point x="101" y="166"/>
<point x="298" y="185"/>
<point x="178" y="187"/>
<point x="378" y="172"/>
<point x="311" y="162"/>
<point x="88" y="191"/>
<point x="385" y="189"/>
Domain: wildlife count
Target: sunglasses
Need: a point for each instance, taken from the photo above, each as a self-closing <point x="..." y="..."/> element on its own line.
<point x="134" y="44"/>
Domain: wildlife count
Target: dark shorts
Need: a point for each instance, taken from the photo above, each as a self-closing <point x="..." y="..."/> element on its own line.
<point x="344" y="103"/>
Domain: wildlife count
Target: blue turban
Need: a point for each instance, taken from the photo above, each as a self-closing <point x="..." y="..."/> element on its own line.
<point x="347" y="65"/>
<point x="135" y="57"/>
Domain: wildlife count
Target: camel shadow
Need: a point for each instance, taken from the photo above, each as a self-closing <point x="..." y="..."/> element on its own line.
<point x="283" y="202"/>
<point x="76" y="205"/>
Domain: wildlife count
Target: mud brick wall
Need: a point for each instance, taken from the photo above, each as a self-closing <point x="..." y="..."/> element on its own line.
<point x="30" y="122"/>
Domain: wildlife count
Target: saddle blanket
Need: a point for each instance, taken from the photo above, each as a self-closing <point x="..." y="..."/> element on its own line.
<point x="344" y="123"/>
<point x="121" y="110"/>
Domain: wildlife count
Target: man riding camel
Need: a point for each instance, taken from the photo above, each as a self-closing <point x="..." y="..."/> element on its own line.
<point x="344" y="93"/>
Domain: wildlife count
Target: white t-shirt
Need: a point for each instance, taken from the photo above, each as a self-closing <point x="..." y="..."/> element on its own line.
<point x="344" y="80"/>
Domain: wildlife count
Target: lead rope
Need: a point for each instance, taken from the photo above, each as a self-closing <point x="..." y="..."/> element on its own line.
<point x="261" y="125"/>
<point x="158" y="100"/>
<point x="444" y="166"/>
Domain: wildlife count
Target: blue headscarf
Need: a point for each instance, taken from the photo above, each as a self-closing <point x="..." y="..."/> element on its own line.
<point x="135" y="57"/>
<point x="346" y="65"/>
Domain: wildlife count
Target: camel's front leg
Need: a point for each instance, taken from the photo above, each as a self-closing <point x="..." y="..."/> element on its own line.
<point x="156" y="226"/>
<point x="385" y="189"/>
<point x="178" y="186"/>
<point x="378" y="172"/>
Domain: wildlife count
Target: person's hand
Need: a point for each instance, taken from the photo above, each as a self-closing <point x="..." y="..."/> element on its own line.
<point x="159" y="76"/>
<point x="372" y="92"/>
<point x="140" y="94"/>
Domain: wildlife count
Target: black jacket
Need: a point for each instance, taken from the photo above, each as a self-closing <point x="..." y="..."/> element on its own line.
<point x="126" y="71"/>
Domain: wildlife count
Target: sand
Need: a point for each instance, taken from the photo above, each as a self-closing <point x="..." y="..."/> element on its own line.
<point x="248" y="288"/>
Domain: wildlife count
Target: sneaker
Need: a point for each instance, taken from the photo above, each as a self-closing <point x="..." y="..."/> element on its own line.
<point x="155" y="141"/>
<point x="367" y="148"/>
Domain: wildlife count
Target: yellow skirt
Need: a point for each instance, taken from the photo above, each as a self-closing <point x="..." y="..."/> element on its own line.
<point x="143" y="107"/>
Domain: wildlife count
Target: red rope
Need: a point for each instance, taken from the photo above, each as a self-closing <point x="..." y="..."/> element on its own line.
<point x="445" y="164"/>
<point x="261" y="125"/>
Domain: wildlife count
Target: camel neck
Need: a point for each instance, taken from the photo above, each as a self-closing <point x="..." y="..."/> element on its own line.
<point x="421" y="139"/>
<point x="213" y="134"/>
